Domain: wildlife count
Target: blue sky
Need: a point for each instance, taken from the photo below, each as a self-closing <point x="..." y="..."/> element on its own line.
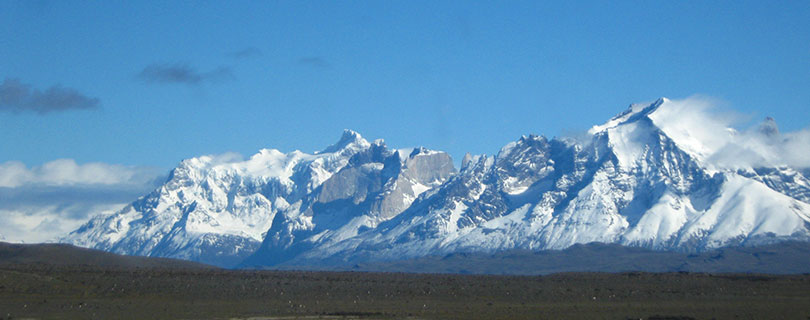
<point x="455" y="76"/>
<point x="146" y="84"/>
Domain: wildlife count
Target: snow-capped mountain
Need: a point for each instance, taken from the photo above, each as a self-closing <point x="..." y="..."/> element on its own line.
<point x="641" y="180"/>
<point x="655" y="176"/>
<point x="377" y="185"/>
<point x="217" y="210"/>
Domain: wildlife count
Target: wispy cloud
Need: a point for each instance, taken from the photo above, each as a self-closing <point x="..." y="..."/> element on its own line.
<point x="18" y="97"/>
<point x="245" y="53"/>
<point x="44" y="202"/>
<point x="66" y="172"/>
<point x="314" y="62"/>
<point x="182" y="73"/>
<point x="700" y="127"/>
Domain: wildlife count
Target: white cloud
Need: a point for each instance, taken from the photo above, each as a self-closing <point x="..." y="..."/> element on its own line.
<point x="795" y="148"/>
<point x="44" y="202"/>
<point x="223" y="158"/>
<point x="691" y="123"/>
<point x="701" y="127"/>
<point x="63" y="172"/>
<point x="46" y="223"/>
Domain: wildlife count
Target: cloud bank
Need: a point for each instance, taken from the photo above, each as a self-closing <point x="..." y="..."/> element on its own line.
<point x="182" y="73"/>
<point x="45" y="202"/>
<point x="18" y="97"/>
<point x="66" y="172"/>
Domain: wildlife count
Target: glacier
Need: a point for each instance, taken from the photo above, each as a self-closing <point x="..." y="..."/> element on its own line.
<point x="657" y="175"/>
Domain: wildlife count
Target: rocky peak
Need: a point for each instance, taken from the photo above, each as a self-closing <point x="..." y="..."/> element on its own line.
<point x="769" y="128"/>
<point x="349" y="139"/>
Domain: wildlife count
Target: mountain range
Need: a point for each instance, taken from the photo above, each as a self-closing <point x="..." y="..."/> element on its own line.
<point x="646" y="178"/>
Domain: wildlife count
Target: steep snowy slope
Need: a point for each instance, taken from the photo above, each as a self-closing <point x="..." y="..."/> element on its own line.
<point x="660" y="175"/>
<point x="376" y="185"/>
<point x="643" y="179"/>
<point x="216" y="209"/>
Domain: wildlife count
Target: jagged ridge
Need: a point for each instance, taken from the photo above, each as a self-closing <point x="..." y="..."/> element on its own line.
<point x="641" y="179"/>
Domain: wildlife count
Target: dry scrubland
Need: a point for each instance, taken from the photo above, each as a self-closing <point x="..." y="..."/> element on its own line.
<point x="84" y="292"/>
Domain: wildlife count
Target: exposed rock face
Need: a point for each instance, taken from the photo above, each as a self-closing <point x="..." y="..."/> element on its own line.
<point x="377" y="185"/>
<point x="641" y="179"/>
<point x="217" y="210"/>
<point x="631" y="184"/>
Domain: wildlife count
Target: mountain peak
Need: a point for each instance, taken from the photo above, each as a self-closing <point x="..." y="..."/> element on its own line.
<point x="465" y="162"/>
<point x="768" y="127"/>
<point x="351" y="134"/>
<point x="417" y="151"/>
<point x="632" y="113"/>
<point x="532" y="139"/>
<point x="349" y="137"/>
<point x="647" y="178"/>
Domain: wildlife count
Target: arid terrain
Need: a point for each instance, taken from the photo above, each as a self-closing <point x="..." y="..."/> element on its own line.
<point x="69" y="292"/>
<point x="107" y="286"/>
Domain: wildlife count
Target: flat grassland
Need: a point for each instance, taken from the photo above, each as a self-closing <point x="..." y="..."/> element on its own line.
<point x="92" y="292"/>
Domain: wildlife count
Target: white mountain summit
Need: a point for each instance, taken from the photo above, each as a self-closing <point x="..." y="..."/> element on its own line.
<point x="217" y="209"/>
<point x="658" y="176"/>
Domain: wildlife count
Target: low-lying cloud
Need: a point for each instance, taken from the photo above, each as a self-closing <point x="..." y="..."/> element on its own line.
<point x="47" y="222"/>
<point x="182" y="73"/>
<point x="45" y="202"/>
<point x="66" y="172"/>
<point x="19" y="97"/>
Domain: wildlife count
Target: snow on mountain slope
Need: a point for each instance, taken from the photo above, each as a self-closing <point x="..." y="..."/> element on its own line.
<point x="746" y="209"/>
<point x="376" y="185"/>
<point x="664" y="175"/>
<point x="645" y="179"/>
<point x="216" y="209"/>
